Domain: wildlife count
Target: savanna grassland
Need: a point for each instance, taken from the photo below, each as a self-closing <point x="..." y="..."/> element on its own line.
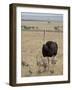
<point x="32" y="39"/>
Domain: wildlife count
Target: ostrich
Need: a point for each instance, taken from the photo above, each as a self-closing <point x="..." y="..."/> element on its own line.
<point x="49" y="49"/>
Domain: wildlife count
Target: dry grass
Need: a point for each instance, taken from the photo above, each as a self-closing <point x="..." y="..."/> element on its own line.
<point x="31" y="53"/>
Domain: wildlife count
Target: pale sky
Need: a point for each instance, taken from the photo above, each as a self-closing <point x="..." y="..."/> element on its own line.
<point x="41" y="16"/>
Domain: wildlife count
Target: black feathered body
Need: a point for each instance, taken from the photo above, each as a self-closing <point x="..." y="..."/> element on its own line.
<point x="50" y="49"/>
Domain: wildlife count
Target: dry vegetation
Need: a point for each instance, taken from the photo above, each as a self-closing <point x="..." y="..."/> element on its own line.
<point x="31" y="50"/>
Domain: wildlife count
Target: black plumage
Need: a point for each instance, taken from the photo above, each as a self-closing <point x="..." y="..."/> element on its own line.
<point x="49" y="49"/>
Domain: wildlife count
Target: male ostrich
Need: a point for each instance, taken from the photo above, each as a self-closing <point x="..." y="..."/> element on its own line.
<point x="49" y="49"/>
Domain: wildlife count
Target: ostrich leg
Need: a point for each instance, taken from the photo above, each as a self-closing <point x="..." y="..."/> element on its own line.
<point x="53" y="61"/>
<point x="48" y="63"/>
<point x="53" y="64"/>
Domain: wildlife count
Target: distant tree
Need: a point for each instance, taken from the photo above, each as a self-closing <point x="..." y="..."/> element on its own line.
<point x="33" y="27"/>
<point x="36" y="27"/>
<point x="48" y="21"/>
<point x="56" y="27"/>
<point x="27" y="27"/>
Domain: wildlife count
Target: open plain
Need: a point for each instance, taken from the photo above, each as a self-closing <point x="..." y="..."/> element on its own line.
<point x="33" y="35"/>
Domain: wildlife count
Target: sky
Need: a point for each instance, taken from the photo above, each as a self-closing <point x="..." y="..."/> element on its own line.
<point x="41" y="16"/>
